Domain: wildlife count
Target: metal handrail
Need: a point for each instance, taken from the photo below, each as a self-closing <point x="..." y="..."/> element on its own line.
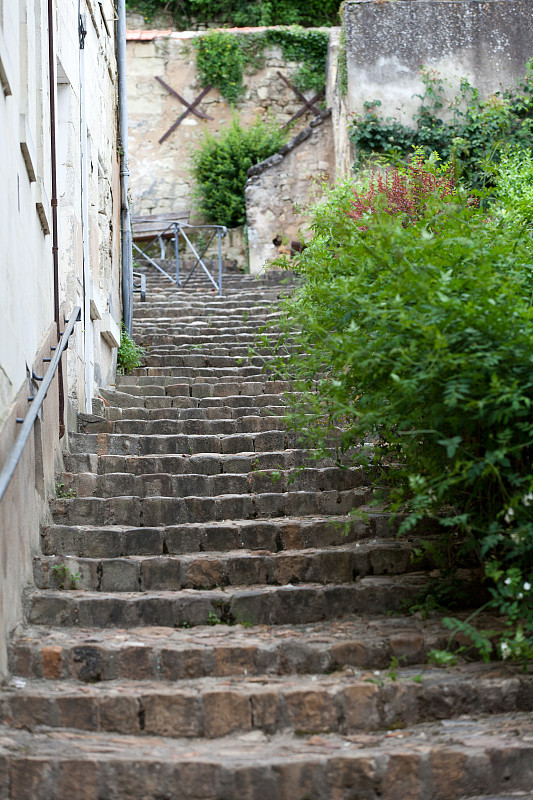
<point x="179" y="228"/>
<point x="27" y="426"/>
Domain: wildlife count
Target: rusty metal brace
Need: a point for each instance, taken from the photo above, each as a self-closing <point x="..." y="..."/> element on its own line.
<point x="189" y="107"/>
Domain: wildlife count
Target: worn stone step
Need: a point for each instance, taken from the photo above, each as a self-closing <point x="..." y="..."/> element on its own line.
<point x="92" y="654"/>
<point x="259" y="605"/>
<point x="179" y="385"/>
<point x="136" y="444"/>
<point x="445" y="760"/>
<point x="150" y="511"/>
<point x="207" y="464"/>
<point x="94" y="541"/>
<point x="310" y="479"/>
<point x="198" y="363"/>
<point x="194" y="413"/>
<point x="213" y="707"/>
<point x="203" y="427"/>
<point x="338" y="564"/>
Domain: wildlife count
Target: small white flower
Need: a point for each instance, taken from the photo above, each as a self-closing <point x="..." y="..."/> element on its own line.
<point x="520" y="595"/>
<point x="527" y="586"/>
<point x="527" y="499"/>
<point x="509" y="514"/>
<point x="507" y="581"/>
<point x="505" y="650"/>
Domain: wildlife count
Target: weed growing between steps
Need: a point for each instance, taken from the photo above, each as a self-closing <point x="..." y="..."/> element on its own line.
<point x="129" y="354"/>
<point x="417" y="329"/>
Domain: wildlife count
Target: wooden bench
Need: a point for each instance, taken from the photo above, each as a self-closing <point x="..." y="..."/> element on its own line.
<point x="157" y="226"/>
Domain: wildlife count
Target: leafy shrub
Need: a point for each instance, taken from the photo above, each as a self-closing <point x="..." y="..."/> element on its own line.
<point x="129" y="354"/>
<point x="221" y="164"/>
<point x="473" y="136"/>
<point x="189" y="13"/>
<point x="418" y="339"/>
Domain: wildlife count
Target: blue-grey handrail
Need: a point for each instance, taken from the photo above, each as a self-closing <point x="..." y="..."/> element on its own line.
<point x="9" y="467"/>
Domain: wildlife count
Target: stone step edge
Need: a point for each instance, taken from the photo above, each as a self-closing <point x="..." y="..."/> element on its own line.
<point x="95" y="654"/>
<point x="216" y="707"/>
<point x="430" y="760"/>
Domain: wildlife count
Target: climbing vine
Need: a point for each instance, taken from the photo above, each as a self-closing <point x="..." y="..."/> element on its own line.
<point x="473" y="135"/>
<point x="191" y="13"/>
<point x="222" y="58"/>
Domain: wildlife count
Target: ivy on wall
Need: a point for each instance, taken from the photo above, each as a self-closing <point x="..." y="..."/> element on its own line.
<point x="473" y="135"/>
<point x="222" y="58"/>
<point x="188" y="14"/>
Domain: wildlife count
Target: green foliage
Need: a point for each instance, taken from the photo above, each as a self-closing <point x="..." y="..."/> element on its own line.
<point x="219" y="61"/>
<point x="417" y="345"/>
<point x="221" y="164"/>
<point x="222" y="57"/>
<point x="62" y="492"/>
<point x="190" y="13"/>
<point x="129" y="354"/>
<point x="473" y="134"/>
<point x="64" y="577"/>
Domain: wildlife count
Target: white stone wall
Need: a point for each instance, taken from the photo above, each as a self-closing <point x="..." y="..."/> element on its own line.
<point x="27" y="328"/>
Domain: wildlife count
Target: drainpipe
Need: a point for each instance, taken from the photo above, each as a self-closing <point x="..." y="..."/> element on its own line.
<point x="55" y="236"/>
<point x="87" y="325"/>
<point x="125" y="219"/>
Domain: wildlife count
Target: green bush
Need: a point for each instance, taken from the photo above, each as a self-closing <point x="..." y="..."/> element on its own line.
<point x="473" y="136"/>
<point x="221" y="164"/>
<point x="129" y="354"/>
<point x="417" y="336"/>
<point x="187" y="13"/>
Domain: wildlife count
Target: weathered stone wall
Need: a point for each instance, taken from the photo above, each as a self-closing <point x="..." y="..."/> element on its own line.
<point x="387" y="42"/>
<point x="279" y="189"/>
<point x="27" y="328"/>
<point x="161" y="178"/>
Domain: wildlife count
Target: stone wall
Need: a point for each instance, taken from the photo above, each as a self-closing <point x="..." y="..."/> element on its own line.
<point x="27" y="327"/>
<point x="161" y="179"/>
<point x="279" y="189"/>
<point x="387" y="42"/>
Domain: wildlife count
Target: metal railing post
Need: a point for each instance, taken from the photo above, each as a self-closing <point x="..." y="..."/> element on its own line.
<point x="177" y="253"/>
<point x="219" y="233"/>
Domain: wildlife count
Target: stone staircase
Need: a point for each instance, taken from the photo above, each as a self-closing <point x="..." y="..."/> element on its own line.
<point x="210" y="623"/>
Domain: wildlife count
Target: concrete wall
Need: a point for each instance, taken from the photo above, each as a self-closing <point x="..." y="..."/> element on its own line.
<point x="487" y="42"/>
<point x="27" y="328"/>
<point x="280" y="188"/>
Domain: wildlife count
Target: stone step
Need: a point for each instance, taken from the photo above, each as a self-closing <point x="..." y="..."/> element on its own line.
<point x="228" y="568"/>
<point x="256" y="605"/>
<point x="136" y="444"/>
<point x="193" y="413"/>
<point x="274" y="535"/>
<point x="202" y="427"/>
<point x="207" y="464"/>
<point x="186" y="386"/>
<point x="309" y="479"/>
<point x="196" y="361"/>
<point x="445" y="760"/>
<point x="92" y="654"/>
<point x="154" y="511"/>
<point x="213" y="707"/>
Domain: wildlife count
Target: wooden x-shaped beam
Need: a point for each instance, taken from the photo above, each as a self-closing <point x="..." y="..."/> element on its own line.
<point x="189" y="107"/>
<point x="308" y="104"/>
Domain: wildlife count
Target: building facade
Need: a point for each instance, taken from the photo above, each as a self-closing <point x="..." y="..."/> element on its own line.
<point x="60" y="248"/>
